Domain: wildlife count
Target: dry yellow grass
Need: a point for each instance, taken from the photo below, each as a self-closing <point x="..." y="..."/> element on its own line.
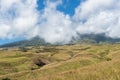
<point x="75" y="62"/>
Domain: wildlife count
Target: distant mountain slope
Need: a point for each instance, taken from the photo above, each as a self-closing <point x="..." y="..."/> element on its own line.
<point x="98" y="38"/>
<point x="32" y="42"/>
<point x="87" y="38"/>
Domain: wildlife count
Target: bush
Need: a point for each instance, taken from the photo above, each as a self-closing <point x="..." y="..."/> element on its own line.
<point x="6" y="78"/>
<point x="4" y="49"/>
<point x="38" y="51"/>
<point x="38" y="61"/>
<point x="23" y="49"/>
<point x="108" y="59"/>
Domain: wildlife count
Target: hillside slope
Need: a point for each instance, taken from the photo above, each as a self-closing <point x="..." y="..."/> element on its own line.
<point x="75" y="62"/>
<point x="36" y="41"/>
<point x="86" y="38"/>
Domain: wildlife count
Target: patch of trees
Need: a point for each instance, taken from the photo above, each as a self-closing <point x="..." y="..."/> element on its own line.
<point x="23" y="49"/>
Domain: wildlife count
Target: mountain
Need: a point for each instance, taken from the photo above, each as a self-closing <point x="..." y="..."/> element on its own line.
<point x="86" y="38"/>
<point x="98" y="38"/>
<point x="36" y="41"/>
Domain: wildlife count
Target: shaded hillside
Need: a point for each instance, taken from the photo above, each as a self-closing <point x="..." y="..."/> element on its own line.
<point x="86" y="38"/>
<point x="33" y="42"/>
<point x="99" y="38"/>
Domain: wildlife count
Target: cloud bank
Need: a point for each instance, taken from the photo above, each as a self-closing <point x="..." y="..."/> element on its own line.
<point x="20" y="18"/>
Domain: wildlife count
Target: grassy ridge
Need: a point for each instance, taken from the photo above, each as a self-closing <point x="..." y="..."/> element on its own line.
<point x="75" y="62"/>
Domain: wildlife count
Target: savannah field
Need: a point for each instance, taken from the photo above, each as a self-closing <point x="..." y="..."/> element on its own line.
<point x="66" y="62"/>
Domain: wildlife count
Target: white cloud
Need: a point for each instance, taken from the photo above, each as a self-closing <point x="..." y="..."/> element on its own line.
<point x="4" y="30"/>
<point x="98" y="16"/>
<point x="93" y="7"/>
<point x="20" y="18"/>
<point x="55" y="26"/>
<point x="20" y="15"/>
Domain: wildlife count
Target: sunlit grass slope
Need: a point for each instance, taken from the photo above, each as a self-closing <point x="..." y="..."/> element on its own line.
<point x="67" y="62"/>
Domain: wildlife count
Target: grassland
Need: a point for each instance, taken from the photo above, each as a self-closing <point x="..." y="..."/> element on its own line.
<point x="67" y="62"/>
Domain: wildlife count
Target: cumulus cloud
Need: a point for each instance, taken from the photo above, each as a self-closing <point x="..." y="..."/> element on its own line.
<point x="17" y="17"/>
<point x="99" y="16"/>
<point x="55" y="26"/>
<point x="20" y="18"/>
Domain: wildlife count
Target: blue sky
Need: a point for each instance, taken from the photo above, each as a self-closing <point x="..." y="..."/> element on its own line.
<point x="67" y="7"/>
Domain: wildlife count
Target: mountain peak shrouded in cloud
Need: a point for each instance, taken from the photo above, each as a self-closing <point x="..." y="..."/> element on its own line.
<point x="23" y="19"/>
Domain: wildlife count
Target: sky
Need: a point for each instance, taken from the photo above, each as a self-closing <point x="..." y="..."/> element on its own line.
<point x="58" y="20"/>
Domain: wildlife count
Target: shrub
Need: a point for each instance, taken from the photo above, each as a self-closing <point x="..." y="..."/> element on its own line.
<point x="6" y="78"/>
<point x="39" y="62"/>
<point x="38" y="51"/>
<point x="23" y="49"/>
<point x="108" y="59"/>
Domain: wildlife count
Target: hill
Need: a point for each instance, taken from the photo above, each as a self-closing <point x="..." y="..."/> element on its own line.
<point x="86" y="38"/>
<point x="73" y="62"/>
<point x="36" y="41"/>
